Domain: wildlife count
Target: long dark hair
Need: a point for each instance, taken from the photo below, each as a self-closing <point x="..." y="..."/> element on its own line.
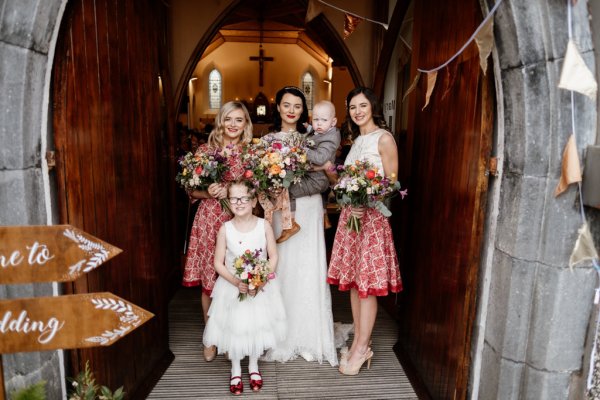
<point x="376" y="109"/>
<point x="293" y="90"/>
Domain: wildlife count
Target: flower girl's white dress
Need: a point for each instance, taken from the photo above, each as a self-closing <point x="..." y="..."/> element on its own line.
<point x="255" y="324"/>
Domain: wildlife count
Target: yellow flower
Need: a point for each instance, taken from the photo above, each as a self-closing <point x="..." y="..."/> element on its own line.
<point x="238" y="263"/>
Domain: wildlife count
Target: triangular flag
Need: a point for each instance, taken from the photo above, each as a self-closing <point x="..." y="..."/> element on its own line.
<point x="412" y="86"/>
<point x="584" y="249"/>
<point x="450" y="78"/>
<point x="431" y="78"/>
<point x="575" y="74"/>
<point x="485" y="41"/>
<point x="571" y="170"/>
<point x="314" y="9"/>
<point x="350" y="24"/>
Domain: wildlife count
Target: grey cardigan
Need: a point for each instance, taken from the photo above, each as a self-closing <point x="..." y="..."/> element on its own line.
<point x="326" y="144"/>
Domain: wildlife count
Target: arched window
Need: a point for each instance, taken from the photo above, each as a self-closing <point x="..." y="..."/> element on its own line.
<point x="308" y="87"/>
<point x="215" y="89"/>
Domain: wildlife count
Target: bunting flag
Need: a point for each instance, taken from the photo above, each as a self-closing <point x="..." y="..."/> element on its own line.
<point x="584" y="249"/>
<point x="571" y="171"/>
<point x="485" y="40"/>
<point x="575" y="74"/>
<point x="431" y="78"/>
<point x="350" y="24"/>
<point x="450" y="79"/>
<point x="314" y="9"/>
<point x="412" y="86"/>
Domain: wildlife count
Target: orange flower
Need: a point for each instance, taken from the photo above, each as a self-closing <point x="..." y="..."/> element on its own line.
<point x="275" y="169"/>
<point x="370" y="174"/>
<point x="248" y="174"/>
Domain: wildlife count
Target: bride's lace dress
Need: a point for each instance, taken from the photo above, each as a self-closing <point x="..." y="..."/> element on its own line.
<point x="302" y="273"/>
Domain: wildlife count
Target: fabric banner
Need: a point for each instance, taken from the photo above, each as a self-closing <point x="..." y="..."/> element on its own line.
<point x="314" y="9"/>
<point x="576" y="75"/>
<point x="350" y="24"/>
<point x="431" y="78"/>
<point x="485" y="40"/>
<point x="571" y="170"/>
<point x="412" y="86"/>
<point x="584" y="249"/>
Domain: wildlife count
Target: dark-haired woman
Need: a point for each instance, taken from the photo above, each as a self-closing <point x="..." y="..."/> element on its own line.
<point x="365" y="263"/>
<point x="302" y="267"/>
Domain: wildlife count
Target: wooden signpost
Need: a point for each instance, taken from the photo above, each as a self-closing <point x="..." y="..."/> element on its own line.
<point x="58" y="253"/>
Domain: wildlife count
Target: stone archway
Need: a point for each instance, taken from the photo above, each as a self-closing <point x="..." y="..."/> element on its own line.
<point x="528" y="296"/>
<point x="527" y="291"/>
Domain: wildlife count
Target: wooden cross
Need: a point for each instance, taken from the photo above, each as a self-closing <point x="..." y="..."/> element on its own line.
<point x="261" y="59"/>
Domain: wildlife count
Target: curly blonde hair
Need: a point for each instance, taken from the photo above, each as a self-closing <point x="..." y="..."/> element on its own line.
<point x="215" y="139"/>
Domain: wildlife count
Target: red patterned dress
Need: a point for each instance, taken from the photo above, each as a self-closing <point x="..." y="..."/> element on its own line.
<point x="199" y="267"/>
<point x="367" y="260"/>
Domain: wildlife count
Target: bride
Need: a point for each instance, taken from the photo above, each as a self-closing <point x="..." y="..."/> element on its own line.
<point x="302" y="261"/>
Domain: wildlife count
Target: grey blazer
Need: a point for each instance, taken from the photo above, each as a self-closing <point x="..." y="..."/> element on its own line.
<point x="314" y="182"/>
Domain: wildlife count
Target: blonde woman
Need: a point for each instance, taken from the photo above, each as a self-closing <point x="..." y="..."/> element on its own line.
<point x="233" y="129"/>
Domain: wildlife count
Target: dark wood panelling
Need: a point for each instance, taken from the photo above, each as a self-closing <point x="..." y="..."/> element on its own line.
<point x="114" y="169"/>
<point x="449" y="146"/>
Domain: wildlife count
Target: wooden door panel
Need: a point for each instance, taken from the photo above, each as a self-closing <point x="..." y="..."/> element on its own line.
<point x="449" y="145"/>
<point x="111" y="170"/>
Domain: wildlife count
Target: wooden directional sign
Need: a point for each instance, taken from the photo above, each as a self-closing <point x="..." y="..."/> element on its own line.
<point x="56" y="253"/>
<point x="66" y="322"/>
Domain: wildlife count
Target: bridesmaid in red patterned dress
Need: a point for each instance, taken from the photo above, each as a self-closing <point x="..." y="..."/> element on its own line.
<point x="233" y="129"/>
<point x="365" y="263"/>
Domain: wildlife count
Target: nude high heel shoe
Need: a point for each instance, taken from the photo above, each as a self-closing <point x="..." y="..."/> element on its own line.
<point x="353" y="369"/>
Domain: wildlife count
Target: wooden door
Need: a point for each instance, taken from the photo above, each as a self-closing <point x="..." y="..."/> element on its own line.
<point x="448" y="147"/>
<point x="113" y="171"/>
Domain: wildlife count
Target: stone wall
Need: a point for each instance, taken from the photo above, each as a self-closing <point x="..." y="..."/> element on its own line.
<point x="27" y="31"/>
<point x="535" y="310"/>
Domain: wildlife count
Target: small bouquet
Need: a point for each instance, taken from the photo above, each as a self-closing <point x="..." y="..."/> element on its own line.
<point x="201" y="169"/>
<point x="276" y="164"/>
<point x="361" y="185"/>
<point x="252" y="269"/>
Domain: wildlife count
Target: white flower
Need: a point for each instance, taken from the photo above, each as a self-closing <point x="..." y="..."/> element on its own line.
<point x="244" y="275"/>
<point x="282" y="174"/>
<point x="251" y="286"/>
<point x="369" y="190"/>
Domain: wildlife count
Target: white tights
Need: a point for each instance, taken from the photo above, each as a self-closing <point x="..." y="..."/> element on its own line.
<point x="236" y="367"/>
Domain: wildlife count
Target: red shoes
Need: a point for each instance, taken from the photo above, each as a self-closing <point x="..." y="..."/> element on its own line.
<point x="238" y="388"/>
<point x="256" y="384"/>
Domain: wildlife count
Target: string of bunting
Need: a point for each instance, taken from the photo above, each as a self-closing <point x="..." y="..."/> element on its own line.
<point x="351" y="19"/>
<point x="577" y="77"/>
<point x="483" y="37"/>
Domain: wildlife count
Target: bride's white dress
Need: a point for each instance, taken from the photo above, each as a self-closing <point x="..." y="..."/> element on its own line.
<point x="302" y="274"/>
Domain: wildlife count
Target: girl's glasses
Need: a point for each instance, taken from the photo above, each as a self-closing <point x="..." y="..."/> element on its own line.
<point x="238" y="200"/>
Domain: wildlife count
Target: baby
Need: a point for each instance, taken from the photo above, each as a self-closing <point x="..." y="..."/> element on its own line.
<point x="326" y="139"/>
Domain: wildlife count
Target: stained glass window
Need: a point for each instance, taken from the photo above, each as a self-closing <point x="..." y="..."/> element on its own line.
<point x="215" y="89"/>
<point x="308" y="87"/>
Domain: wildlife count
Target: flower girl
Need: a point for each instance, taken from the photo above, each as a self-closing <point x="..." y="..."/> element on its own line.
<point x="246" y="314"/>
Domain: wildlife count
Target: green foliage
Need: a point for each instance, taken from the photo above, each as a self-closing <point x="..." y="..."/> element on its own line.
<point x="37" y="391"/>
<point x="83" y="387"/>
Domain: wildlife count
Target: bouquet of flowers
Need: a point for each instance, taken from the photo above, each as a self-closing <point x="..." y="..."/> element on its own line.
<point x="362" y="185"/>
<point x="201" y="169"/>
<point x="276" y="164"/>
<point x="252" y="269"/>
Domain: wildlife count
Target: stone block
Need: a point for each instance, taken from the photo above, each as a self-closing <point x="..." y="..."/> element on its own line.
<point x="490" y="372"/>
<point x="513" y="81"/>
<point x="545" y="385"/>
<point x="518" y="313"/>
<point x="561" y="311"/>
<point x="21" y="84"/>
<point x="22" y="198"/>
<point x="561" y="222"/>
<point x="498" y="303"/>
<point x="29" y="23"/>
<point x="33" y="367"/>
<point x="522" y="200"/>
<point x="511" y="377"/>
